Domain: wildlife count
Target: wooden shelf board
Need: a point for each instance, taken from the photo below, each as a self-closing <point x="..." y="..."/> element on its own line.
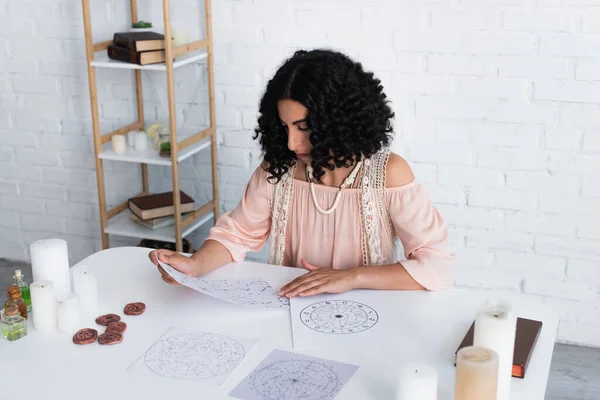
<point x="101" y="60"/>
<point x="123" y="225"/>
<point x="151" y="156"/>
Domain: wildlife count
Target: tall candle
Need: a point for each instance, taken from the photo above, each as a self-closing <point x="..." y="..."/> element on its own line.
<point x="118" y="143"/>
<point x="417" y="382"/>
<point x="476" y="374"/>
<point x="43" y="306"/>
<point x="131" y="138"/>
<point x="495" y="328"/>
<point x="68" y="313"/>
<point x="179" y="37"/>
<point x="141" y="141"/>
<point x="86" y="287"/>
<point x="50" y="262"/>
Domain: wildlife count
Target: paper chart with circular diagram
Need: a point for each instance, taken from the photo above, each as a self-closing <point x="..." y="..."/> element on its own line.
<point x="339" y="317"/>
<point x="248" y="292"/>
<point x="291" y="376"/>
<point x="340" y="320"/>
<point x="193" y="356"/>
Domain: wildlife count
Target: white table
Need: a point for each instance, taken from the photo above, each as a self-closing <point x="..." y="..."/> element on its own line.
<point x="44" y="366"/>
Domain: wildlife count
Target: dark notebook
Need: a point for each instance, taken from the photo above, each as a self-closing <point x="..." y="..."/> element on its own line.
<point x="139" y="41"/>
<point x="526" y="337"/>
<point x="142" y="58"/>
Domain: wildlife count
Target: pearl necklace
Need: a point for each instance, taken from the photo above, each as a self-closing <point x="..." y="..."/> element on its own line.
<point x="349" y="181"/>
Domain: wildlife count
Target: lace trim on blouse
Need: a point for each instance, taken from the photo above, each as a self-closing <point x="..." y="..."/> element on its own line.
<point x="376" y="225"/>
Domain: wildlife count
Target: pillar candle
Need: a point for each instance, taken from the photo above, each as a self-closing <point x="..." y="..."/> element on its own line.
<point x="417" y="382"/>
<point x="43" y="306"/>
<point x="141" y="141"/>
<point x="50" y="262"/>
<point x="86" y="287"/>
<point x="118" y="143"/>
<point x="68" y="313"/>
<point x="476" y="374"/>
<point x="179" y="37"/>
<point x="495" y="327"/>
<point x="131" y="138"/>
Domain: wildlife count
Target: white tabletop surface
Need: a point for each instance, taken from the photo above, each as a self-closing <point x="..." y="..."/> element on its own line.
<point x="50" y="366"/>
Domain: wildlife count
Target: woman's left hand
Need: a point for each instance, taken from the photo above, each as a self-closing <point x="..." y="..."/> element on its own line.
<point x="320" y="280"/>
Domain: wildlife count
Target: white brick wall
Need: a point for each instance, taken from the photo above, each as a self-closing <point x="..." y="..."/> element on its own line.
<point x="498" y="112"/>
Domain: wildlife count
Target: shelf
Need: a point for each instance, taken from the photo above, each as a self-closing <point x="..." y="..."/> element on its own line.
<point x="151" y="156"/>
<point x="123" y="225"/>
<point x="198" y="54"/>
<point x="101" y="60"/>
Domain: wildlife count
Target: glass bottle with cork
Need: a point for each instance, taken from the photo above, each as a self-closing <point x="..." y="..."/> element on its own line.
<point x="20" y="282"/>
<point x="15" y="299"/>
<point x="13" y="326"/>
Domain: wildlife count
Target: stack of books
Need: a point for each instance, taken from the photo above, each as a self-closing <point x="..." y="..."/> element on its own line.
<point x="140" y="48"/>
<point x="156" y="211"/>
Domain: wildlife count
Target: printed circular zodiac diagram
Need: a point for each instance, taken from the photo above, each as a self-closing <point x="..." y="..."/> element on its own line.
<point x="193" y="356"/>
<point x="295" y="380"/>
<point x="339" y="317"/>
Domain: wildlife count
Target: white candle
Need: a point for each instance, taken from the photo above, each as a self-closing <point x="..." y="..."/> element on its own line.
<point x="118" y="143"/>
<point x="141" y="141"/>
<point x="43" y="306"/>
<point x="50" y="262"/>
<point x="476" y="374"/>
<point x="131" y="138"/>
<point x="495" y="327"/>
<point x="179" y="37"/>
<point x="417" y="382"/>
<point x="68" y="313"/>
<point x="86" y="287"/>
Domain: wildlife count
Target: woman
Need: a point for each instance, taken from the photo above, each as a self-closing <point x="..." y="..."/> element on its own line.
<point x="329" y="194"/>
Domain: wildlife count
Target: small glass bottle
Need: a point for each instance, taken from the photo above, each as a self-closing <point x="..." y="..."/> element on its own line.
<point x="20" y="282"/>
<point x="15" y="299"/>
<point x="13" y="326"/>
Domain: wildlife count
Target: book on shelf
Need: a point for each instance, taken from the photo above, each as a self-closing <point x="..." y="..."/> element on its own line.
<point x="139" y="41"/>
<point x="157" y="223"/>
<point x="159" y="205"/>
<point x="134" y="57"/>
<point x="526" y="337"/>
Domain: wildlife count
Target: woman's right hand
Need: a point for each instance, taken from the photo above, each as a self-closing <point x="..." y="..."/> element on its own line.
<point x="181" y="263"/>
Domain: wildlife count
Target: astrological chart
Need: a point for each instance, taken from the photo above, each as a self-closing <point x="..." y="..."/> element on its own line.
<point x="248" y="292"/>
<point x="349" y="320"/>
<point x="339" y="317"/>
<point x="291" y="376"/>
<point x="193" y="356"/>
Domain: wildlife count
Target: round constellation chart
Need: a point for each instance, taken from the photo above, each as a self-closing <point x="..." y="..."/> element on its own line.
<point x="339" y="317"/>
<point x="193" y="356"/>
<point x="295" y="379"/>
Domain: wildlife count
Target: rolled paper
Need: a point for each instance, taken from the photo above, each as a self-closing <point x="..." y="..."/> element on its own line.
<point x="86" y="287"/>
<point x="131" y="138"/>
<point x="476" y="374"/>
<point x="43" y="306"/>
<point x="50" y="262"/>
<point x="118" y="143"/>
<point x="495" y="328"/>
<point x="68" y="313"/>
<point x="417" y="382"/>
<point x="141" y="141"/>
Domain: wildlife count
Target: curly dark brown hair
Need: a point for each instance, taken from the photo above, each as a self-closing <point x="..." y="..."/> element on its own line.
<point x="348" y="114"/>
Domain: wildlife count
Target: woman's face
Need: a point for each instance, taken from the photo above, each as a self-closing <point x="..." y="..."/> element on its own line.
<point x="292" y="116"/>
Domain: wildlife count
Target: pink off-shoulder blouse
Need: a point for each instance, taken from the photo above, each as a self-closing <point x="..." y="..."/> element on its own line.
<point x="334" y="240"/>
